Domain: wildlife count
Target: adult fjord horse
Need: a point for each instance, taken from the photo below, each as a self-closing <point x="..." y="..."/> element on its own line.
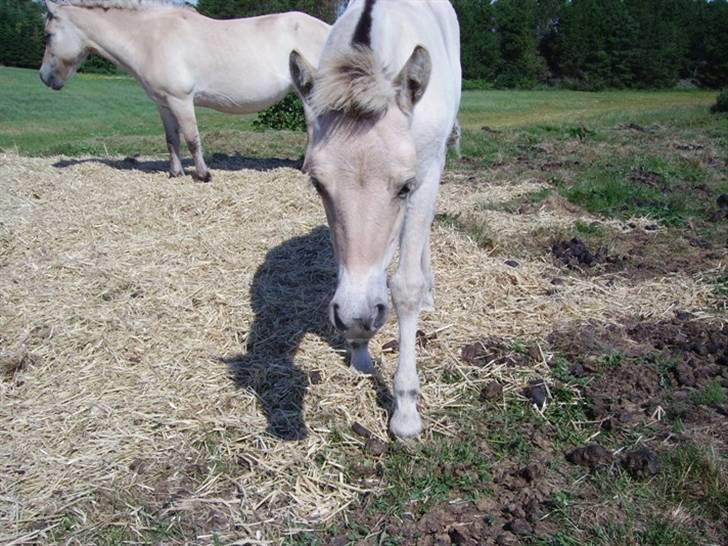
<point x="181" y="58"/>
<point x="384" y="100"/>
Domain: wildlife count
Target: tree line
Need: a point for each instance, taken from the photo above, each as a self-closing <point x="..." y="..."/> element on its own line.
<point x="595" y="44"/>
<point x="581" y="44"/>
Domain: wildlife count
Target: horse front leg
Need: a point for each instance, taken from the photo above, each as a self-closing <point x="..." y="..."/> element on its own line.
<point x="428" y="299"/>
<point x="409" y="289"/>
<point x="171" y="132"/>
<point x="184" y="112"/>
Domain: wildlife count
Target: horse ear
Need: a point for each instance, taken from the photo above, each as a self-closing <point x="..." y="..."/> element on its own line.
<point x="412" y="80"/>
<point x="53" y="5"/>
<point x="302" y="74"/>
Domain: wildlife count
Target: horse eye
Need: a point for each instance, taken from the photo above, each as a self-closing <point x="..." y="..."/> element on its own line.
<point x="405" y="190"/>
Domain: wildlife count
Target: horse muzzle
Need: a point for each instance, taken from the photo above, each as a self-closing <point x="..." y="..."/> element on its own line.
<point x="50" y="80"/>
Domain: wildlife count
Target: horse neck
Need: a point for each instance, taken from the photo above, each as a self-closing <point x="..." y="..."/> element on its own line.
<point x="109" y="34"/>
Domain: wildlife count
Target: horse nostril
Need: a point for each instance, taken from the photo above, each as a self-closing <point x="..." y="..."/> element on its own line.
<point x="381" y="315"/>
<point x="337" y="320"/>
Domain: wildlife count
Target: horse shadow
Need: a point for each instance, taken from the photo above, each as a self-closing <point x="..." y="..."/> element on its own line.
<point x="217" y="161"/>
<point x="289" y="294"/>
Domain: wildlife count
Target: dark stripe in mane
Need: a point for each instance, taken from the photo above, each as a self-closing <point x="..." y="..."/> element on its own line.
<point x="363" y="31"/>
<point x="131" y="5"/>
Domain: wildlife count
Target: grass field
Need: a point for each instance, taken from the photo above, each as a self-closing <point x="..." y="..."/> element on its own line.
<point x="168" y="374"/>
<point x="111" y="115"/>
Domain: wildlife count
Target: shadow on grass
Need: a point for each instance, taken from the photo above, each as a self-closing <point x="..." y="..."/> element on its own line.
<point x="290" y="294"/>
<point x="218" y="161"/>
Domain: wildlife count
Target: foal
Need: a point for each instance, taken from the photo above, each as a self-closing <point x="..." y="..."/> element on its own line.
<point x="383" y="103"/>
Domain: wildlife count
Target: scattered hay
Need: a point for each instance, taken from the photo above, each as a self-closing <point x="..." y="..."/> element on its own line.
<point x="183" y="370"/>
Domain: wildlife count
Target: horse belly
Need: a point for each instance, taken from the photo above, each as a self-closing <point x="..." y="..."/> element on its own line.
<point x="236" y="104"/>
<point x="242" y="89"/>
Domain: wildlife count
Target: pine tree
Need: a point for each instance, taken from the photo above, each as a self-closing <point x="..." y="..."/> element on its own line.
<point x="478" y="39"/>
<point x="231" y="9"/>
<point x="548" y="25"/>
<point x="21" y="33"/>
<point x="520" y="65"/>
<point x="714" y="72"/>
<point x="661" y="43"/>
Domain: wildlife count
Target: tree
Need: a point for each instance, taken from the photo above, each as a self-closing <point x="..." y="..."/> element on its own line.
<point x="661" y="43"/>
<point x="548" y="26"/>
<point x="478" y="39"/>
<point x="519" y="64"/>
<point x="21" y="33"/>
<point x="714" y="70"/>
<point x="230" y="9"/>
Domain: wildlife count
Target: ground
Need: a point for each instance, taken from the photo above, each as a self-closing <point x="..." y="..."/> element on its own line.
<point x="169" y="375"/>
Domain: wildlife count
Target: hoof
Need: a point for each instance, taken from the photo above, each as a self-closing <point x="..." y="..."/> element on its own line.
<point x="207" y="177"/>
<point x="405" y="424"/>
<point x="175" y="174"/>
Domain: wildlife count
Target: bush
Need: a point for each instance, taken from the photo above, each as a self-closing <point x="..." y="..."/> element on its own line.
<point x="477" y="85"/>
<point x="286" y="114"/>
<point x="98" y="65"/>
<point x="721" y="103"/>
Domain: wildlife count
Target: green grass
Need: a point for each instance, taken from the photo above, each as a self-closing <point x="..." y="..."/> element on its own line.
<point x="691" y="481"/>
<point x="153" y="529"/>
<point x="511" y="109"/>
<point x="424" y="476"/>
<point x="696" y="477"/>
<point x="720" y="286"/>
<point x="93" y="114"/>
<point x="97" y="114"/>
<point x="470" y="225"/>
<point x="711" y="394"/>
<point x="656" y="187"/>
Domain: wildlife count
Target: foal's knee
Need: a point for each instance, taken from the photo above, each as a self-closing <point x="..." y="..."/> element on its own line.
<point x="407" y="293"/>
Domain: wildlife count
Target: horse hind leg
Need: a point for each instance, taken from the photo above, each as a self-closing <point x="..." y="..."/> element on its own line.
<point x="171" y="131"/>
<point x="184" y="112"/>
<point x="453" y="141"/>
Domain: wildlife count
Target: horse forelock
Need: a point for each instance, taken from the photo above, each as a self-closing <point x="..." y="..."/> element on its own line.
<point x="133" y="5"/>
<point x="354" y="82"/>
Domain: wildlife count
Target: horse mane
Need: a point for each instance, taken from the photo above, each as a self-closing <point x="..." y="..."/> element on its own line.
<point x="353" y="81"/>
<point x="132" y="5"/>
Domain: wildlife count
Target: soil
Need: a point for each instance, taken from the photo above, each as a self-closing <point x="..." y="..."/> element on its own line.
<point x="591" y="455"/>
<point x="648" y="365"/>
<point x="639" y="253"/>
<point x="636" y="370"/>
<point x="641" y="463"/>
<point x="511" y="510"/>
<point x="575" y="254"/>
<point x="494" y="351"/>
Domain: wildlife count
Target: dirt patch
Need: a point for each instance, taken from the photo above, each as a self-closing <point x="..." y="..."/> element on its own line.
<point x="647" y="177"/>
<point x="638" y="252"/>
<point x="632" y="373"/>
<point x="575" y="254"/>
<point x="495" y="351"/>
<point x="641" y="463"/>
<point x="507" y="513"/>
<point x="592" y="455"/>
<point x="639" y="370"/>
